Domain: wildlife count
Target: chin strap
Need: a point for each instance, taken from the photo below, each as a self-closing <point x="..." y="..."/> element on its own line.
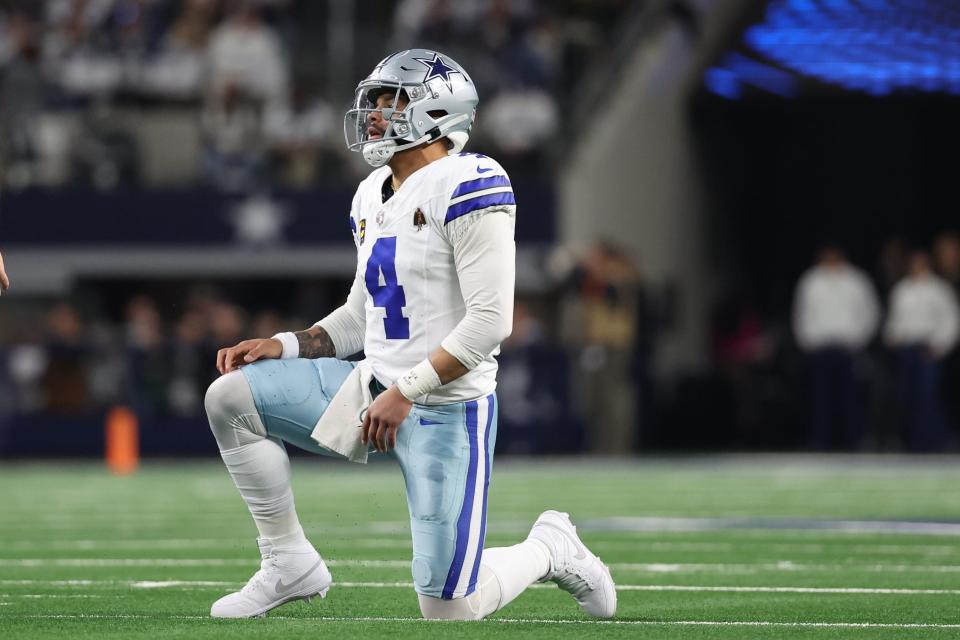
<point x="380" y="152"/>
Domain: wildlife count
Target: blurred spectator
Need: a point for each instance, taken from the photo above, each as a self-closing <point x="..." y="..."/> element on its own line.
<point x="743" y="348"/>
<point x="22" y="98"/>
<point x="946" y="253"/>
<point x="177" y="70"/>
<point x="232" y="125"/>
<point x="26" y="365"/>
<point x="81" y="54"/>
<point x="247" y="75"/>
<point x="246" y="56"/>
<point x="227" y="324"/>
<point x="600" y="325"/>
<point x="923" y="326"/>
<point x="65" y="378"/>
<point x="518" y="121"/>
<point x="190" y="373"/>
<point x="267" y="323"/>
<point x="835" y="315"/>
<point x="147" y="363"/>
<point x="534" y="391"/>
<point x="298" y="133"/>
<point x="105" y="154"/>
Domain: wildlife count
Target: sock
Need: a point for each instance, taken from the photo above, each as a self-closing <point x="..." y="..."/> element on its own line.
<point x="261" y="472"/>
<point x="513" y="569"/>
<point x="505" y="573"/>
<point x="258" y="465"/>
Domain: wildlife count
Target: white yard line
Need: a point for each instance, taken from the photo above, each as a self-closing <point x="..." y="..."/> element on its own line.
<point x="403" y="542"/>
<point x="692" y="525"/>
<point x="169" y="584"/>
<point x="787" y="566"/>
<point x="695" y="588"/>
<point x="641" y="524"/>
<point x="782" y="565"/>
<point x="781" y="547"/>
<point x="200" y="584"/>
<point x="606" y="546"/>
<point x="126" y="545"/>
<point x="836" y="590"/>
<point x="44" y="596"/>
<point x="540" y="621"/>
<point x="181" y="562"/>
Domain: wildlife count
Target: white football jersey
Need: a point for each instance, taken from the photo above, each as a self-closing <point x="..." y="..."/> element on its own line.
<point x="405" y="261"/>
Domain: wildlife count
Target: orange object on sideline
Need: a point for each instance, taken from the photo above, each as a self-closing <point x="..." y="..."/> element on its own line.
<point x="122" y="441"/>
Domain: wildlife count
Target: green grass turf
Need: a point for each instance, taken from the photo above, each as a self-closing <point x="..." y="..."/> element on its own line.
<point x="77" y="541"/>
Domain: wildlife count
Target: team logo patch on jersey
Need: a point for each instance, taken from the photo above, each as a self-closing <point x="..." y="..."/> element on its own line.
<point x="363" y="230"/>
<point x="419" y="220"/>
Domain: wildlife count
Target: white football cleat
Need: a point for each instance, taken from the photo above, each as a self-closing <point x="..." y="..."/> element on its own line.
<point x="282" y="577"/>
<point x="573" y="567"/>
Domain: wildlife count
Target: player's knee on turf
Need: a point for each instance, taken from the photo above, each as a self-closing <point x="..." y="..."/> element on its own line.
<point x="232" y="412"/>
<point x="457" y="609"/>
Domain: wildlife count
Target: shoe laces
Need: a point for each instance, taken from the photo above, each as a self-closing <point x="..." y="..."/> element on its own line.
<point x="268" y="564"/>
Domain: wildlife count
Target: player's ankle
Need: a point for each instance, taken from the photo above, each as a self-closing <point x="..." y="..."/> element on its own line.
<point x="541" y="549"/>
<point x="293" y="542"/>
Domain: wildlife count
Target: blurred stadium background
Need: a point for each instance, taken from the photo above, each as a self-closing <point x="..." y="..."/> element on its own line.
<point x="174" y="179"/>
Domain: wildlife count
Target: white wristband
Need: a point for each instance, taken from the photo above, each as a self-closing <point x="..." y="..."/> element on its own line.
<point x="420" y="380"/>
<point x="291" y="346"/>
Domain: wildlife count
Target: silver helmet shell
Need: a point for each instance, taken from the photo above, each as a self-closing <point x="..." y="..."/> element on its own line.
<point x="442" y="103"/>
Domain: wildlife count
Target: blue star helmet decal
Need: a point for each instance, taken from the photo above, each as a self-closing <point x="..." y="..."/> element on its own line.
<point x="437" y="68"/>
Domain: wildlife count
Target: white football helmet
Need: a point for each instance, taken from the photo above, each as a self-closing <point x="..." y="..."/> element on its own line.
<point x="442" y="103"/>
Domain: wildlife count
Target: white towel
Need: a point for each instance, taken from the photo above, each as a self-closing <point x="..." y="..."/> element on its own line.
<point x="338" y="427"/>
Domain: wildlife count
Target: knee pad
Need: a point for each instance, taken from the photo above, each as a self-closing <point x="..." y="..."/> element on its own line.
<point x="485" y="599"/>
<point x="458" y="609"/>
<point x="232" y="412"/>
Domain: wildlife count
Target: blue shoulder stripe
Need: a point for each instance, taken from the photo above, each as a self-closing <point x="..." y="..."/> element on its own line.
<point x="480" y="183"/>
<point x="480" y="202"/>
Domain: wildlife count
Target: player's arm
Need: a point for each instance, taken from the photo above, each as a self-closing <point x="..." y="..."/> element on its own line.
<point x="485" y="259"/>
<point x="315" y="340"/>
<point x="484" y="255"/>
<point x="338" y="335"/>
<point x="4" y="280"/>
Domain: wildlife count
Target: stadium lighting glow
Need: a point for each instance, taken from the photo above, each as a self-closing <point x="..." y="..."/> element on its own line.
<point x="875" y="46"/>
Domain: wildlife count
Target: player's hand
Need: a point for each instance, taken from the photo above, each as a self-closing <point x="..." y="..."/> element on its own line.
<point x="383" y="418"/>
<point x="246" y="352"/>
<point x="4" y="280"/>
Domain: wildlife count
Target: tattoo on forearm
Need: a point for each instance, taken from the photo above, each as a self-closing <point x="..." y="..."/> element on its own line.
<point x="315" y="345"/>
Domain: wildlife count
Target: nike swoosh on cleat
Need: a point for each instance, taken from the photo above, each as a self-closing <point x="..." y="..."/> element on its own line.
<point x="482" y="170"/>
<point x="581" y="552"/>
<point x="282" y="589"/>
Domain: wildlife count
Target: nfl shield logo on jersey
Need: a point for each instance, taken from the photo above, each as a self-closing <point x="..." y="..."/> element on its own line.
<point x="419" y="220"/>
<point x="380" y="218"/>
